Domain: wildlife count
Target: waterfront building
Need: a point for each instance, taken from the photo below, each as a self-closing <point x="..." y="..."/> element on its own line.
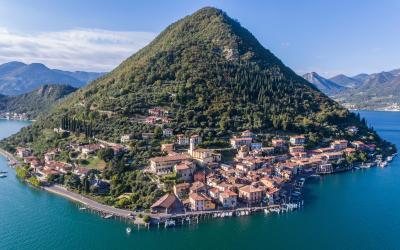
<point x="200" y="202"/>
<point x="228" y="199"/>
<point x="166" y="204"/>
<point x="251" y="194"/>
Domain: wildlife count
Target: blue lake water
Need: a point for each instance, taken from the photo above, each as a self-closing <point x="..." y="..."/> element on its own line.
<point x="354" y="210"/>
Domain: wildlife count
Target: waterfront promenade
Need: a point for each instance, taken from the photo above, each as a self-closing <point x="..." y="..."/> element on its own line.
<point x="13" y="161"/>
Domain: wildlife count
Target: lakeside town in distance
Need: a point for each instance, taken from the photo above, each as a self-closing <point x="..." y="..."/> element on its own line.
<point x="252" y="172"/>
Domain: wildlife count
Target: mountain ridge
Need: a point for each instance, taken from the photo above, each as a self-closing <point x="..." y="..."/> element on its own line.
<point x="323" y="84"/>
<point x="19" y="78"/>
<point x="379" y="91"/>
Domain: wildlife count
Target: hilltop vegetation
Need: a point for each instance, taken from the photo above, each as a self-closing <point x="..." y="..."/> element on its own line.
<point x="214" y="77"/>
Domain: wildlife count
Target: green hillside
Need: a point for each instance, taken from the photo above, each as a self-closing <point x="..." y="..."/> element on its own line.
<point x="214" y="77"/>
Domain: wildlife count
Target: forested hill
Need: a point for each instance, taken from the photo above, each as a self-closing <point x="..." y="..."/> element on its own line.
<point x="213" y="76"/>
<point x="36" y="102"/>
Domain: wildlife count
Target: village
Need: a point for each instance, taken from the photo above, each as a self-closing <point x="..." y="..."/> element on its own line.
<point x="259" y="174"/>
<point x="14" y="116"/>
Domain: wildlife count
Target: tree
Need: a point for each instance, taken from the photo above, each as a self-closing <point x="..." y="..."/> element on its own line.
<point x="106" y="154"/>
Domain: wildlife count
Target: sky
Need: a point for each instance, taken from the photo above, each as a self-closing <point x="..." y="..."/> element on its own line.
<point x="326" y="36"/>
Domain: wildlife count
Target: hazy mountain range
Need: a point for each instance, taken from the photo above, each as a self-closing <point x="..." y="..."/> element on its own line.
<point x="19" y="78"/>
<point x="362" y="91"/>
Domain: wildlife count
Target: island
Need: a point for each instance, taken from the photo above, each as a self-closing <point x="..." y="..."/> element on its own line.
<point x="203" y="122"/>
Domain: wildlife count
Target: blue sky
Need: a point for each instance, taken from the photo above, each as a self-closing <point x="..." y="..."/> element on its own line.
<point x="328" y="37"/>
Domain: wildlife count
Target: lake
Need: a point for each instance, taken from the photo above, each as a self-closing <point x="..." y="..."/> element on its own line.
<point x="353" y="210"/>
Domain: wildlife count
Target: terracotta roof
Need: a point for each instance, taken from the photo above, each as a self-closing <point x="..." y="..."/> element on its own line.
<point x="166" y="201"/>
<point x="251" y="189"/>
<point x="199" y="197"/>
<point x="197" y="185"/>
<point x="176" y="157"/>
<point x="227" y="193"/>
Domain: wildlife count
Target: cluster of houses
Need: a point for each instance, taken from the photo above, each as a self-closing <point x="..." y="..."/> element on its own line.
<point x="50" y="165"/>
<point x="14" y="116"/>
<point x="258" y="175"/>
<point x="158" y="115"/>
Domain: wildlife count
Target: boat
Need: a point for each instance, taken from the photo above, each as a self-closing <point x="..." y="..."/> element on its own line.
<point x="383" y="164"/>
<point x="107" y="216"/>
<point x="169" y="223"/>
<point x="3" y="172"/>
<point x="82" y="208"/>
<point x="128" y="230"/>
<point x="3" y="176"/>
<point x="364" y="165"/>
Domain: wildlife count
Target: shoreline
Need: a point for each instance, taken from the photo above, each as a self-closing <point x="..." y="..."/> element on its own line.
<point x="107" y="211"/>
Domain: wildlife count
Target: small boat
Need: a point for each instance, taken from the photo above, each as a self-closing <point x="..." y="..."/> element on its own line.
<point x="107" y="216"/>
<point x="82" y="208"/>
<point x="128" y="230"/>
<point x="365" y="165"/>
<point x="3" y="172"/>
<point x="383" y="164"/>
<point x="169" y="223"/>
<point x="3" y="176"/>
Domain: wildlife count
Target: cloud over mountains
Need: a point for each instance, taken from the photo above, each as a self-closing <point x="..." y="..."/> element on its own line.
<point x="75" y="49"/>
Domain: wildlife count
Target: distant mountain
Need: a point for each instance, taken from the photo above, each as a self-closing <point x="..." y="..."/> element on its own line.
<point x="35" y="102"/>
<point x="345" y="81"/>
<point x="323" y="84"/>
<point x="18" y="78"/>
<point x="371" y="91"/>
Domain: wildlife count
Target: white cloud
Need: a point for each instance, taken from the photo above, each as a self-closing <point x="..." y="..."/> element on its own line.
<point x="75" y="49"/>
